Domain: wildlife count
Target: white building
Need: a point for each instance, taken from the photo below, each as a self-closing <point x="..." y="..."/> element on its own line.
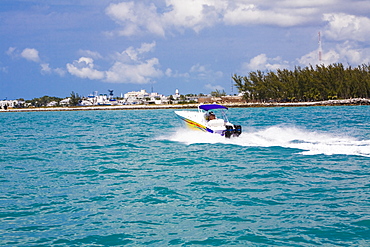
<point x="159" y="99"/>
<point x="10" y="103"/>
<point x="101" y="99"/>
<point x="85" y="102"/>
<point x="65" y="102"/>
<point x="136" y="97"/>
<point x="176" y="96"/>
<point x="142" y="94"/>
<point x="52" y="103"/>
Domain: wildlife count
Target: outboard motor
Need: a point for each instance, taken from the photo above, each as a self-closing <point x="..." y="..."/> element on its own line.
<point x="229" y="131"/>
<point x="237" y="130"/>
<point x="234" y="131"/>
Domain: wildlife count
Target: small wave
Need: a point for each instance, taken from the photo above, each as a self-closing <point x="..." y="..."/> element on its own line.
<point x="311" y="143"/>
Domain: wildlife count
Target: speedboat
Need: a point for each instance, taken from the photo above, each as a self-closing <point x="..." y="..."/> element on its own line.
<point x="206" y="120"/>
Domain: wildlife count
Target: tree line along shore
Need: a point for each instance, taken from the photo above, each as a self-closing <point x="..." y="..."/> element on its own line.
<point x="319" y="83"/>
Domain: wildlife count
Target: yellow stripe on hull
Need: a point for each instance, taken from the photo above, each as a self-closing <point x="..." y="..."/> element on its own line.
<point x="195" y="126"/>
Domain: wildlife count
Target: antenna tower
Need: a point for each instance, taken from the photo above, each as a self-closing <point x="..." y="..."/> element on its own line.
<point x="320" y="48"/>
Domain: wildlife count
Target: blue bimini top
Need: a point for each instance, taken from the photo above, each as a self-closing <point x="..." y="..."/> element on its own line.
<point x="211" y="107"/>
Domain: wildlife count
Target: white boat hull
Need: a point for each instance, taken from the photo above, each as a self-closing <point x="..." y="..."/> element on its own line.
<point x="197" y="120"/>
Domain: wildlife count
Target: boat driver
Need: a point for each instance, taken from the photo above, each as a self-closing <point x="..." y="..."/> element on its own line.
<point x="211" y="116"/>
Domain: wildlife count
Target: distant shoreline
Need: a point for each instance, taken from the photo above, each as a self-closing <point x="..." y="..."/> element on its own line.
<point x="356" y="101"/>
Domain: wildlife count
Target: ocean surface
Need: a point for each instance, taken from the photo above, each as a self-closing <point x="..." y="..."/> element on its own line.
<point x="296" y="176"/>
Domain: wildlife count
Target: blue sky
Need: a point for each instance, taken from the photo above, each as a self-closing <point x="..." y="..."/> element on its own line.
<point x="56" y="47"/>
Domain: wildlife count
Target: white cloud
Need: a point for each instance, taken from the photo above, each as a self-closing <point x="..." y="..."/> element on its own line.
<point x="350" y="52"/>
<point x="134" y="73"/>
<point x="31" y="55"/>
<point x="342" y="41"/>
<point x="191" y="14"/>
<point x="307" y="3"/>
<point x="214" y="87"/>
<point x="59" y="71"/>
<point x="203" y="72"/>
<point x="45" y="69"/>
<point x="146" y="47"/>
<point x="354" y="55"/>
<point x="136" y="17"/>
<point x="346" y="53"/>
<point x="248" y="14"/>
<point x="312" y="58"/>
<point x="92" y="54"/>
<point x="176" y="74"/>
<point x="201" y="69"/>
<point x="84" y="68"/>
<point x="10" y="52"/>
<point x="129" y="66"/>
<point x="196" y="72"/>
<point x="262" y="62"/>
<point x="132" y="55"/>
<point x="168" y="72"/>
<point x="347" y="27"/>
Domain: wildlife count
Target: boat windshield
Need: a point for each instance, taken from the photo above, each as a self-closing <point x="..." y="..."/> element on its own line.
<point x="219" y="113"/>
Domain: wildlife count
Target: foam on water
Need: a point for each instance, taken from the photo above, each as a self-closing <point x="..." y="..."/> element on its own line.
<point x="288" y="137"/>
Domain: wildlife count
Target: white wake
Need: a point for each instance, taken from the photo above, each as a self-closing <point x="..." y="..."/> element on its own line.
<point x="310" y="143"/>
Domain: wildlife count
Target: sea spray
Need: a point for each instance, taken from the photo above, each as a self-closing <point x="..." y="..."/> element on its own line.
<point x="310" y="142"/>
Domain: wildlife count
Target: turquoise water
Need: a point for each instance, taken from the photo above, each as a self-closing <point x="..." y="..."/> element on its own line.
<point x="295" y="177"/>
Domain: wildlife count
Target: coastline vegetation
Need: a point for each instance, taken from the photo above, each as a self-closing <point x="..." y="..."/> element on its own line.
<point x="306" y="84"/>
<point x="43" y="101"/>
<point x="75" y="99"/>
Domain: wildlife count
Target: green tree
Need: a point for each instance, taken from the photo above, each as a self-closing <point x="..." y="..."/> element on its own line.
<point x="75" y="99"/>
<point x="43" y="101"/>
<point x="218" y="93"/>
<point x="306" y="84"/>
